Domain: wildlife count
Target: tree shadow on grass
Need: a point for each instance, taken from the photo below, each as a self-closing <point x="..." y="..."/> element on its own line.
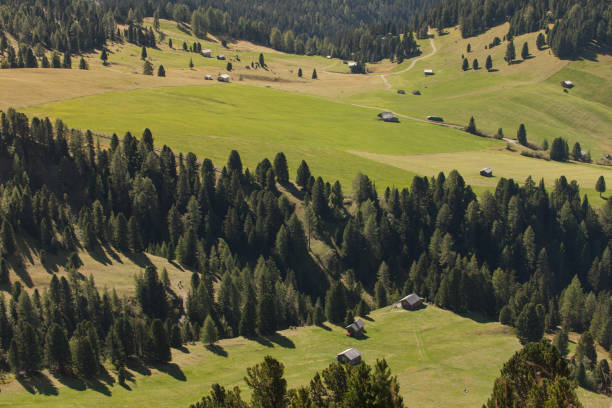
<point x="368" y="318"/>
<point x="478" y="317"/>
<point x="138" y="367"/>
<point x="141" y="259"/>
<point x="282" y="341"/>
<point x="216" y="349"/>
<point x="99" y="386"/>
<point x="99" y="255"/>
<point x="71" y="382"/>
<point x="324" y="326"/>
<point x="263" y="341"/>
<point x="38" y="383"/>
<point x="183" y="349"/>
<point x="173" y="370"/>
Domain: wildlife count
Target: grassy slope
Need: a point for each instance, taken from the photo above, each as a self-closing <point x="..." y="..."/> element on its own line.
<point x="426" y="350"/>
<point x="434" y="353"/>
<point x="110" y="269"/>
<point x="526" y="92"/>
<point x="212" y="120"/>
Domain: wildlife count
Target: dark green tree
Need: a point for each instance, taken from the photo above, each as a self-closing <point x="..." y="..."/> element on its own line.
<point x="525" y="51"/>
<point x="248" y="315"/>
<point x="465" y="64"/>
<point x="280" y="168"/>
<point x="269" y="388"/>
<point x="299" y="72"/>
<point x="303" y="175"/>
<point x="489" y="63"/>
<point x="521" y="135"/>
<point x="529" y="326"/>
<point x="510" y="53"/>
<point x="83" y="64"/>
<point x="561" y="342"/>
<point x="475" y="66"/>
<point x="335" y="303"/>
<point x="209" y="333"/>
<point x="104" y="56"/>
<point x="147" y="68"/>
<point x="161" y="71"/>
<point x="143" y="53"/>
<point x="158" y="347"/>
<point x="540" y="41"/>
<point x="57" y="349"/>
<point x="67" y="62"/>
<point x="600" y="185"/>
<point x="559" y="150"/>
<point x="314" y="73"/>
<point x="471" y="127"/>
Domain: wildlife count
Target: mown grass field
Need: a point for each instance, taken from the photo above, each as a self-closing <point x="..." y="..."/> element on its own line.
<point x="435" y="354"/>
<point x="527" y="91"/>
<point x="258" y="122"/>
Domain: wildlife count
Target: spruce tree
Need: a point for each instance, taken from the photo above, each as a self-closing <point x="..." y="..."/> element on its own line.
<point x="465" y="65"/>
<point x="158" y="346"/>
<point x="147" y="68"/>
<point x="540" y="41"/>
<point x="529" y="326"/>
<point x="577" y="152"/>
<point x="67" y="62"/>
<point x="475" y="66"/>
<point x="44" y="62"/>
<point x="249" y="314"/>
<point x="561" y="341"/>
<point x="14" y="358"/>
<point x="269" y="388"/>
<point x="7" y="237"/>
<point x="559" y="150"/>
<point x="161" y="72"/>
<point x="600" y="186"/>
<point x="510" y="53"/>
<point x="280" y="168"/>
<point x="209" y="333"/>
<point x="143" y="53"/>
<point x="303" y="175"/>
<point x="525" y="51"/>
<point x="170" y="43"/>
<point x="104" y="56"/>
<point x="299" y="72"/>
<point x="314" y="73"/>
<point x="191" y="63"/>
<point x="521" y="135"/>
<point x="84" y="359"/>
<point x="262" y="62"/>
<point x="335" y="303"/>
<point x="471" y="127"/>
<point x="489" y="63"/>
<point x="57" y="349"/>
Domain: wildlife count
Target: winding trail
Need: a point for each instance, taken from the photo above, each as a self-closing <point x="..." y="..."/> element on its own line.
<point x="409" y="67"/>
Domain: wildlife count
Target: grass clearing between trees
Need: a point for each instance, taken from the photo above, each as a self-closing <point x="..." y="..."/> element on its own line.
<point x="440" y="359"/>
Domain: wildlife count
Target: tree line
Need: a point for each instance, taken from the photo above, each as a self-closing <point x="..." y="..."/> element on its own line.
<point x="576" y="25"/>
<point x="511" y="254"/>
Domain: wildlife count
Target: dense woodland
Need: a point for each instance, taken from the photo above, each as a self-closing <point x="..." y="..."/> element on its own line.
<point x="531" y="258"/>
<point x="576" y="23"/>
<point x="365" y="31"/>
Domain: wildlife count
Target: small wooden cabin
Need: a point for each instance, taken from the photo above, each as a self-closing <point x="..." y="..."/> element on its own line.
<point x="223" y="78"/>
<point x="388" y="117"/>
<point x="567" y="84"/>
<point x="412" y="301"/>
<point x="416" y="92"/>
<point x="486" y="172"/>
<point x="221" y="57"/>
<point x="428" y="72"/>
<point x="351" y="356"/>
<point x="207" y="53"/>
<point x="401" y="92"/>
<point x="355" y="328"/>
<point x="208" y="77"/>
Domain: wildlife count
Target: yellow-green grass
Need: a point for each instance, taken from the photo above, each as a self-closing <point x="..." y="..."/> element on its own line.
<point x="435" y="354"/>
<point x="504" y="164"/>
<point x="527" y="92"/>
<point x="110" y="269"/>
<point x="212" y="120"/>
<point x="441" y="360"/>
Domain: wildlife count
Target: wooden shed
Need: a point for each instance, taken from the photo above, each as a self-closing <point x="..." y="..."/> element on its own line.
<point x="207" y="53"/>
<point x="411" y="302"/>
<point x="351" y="356"/>
<point x="486" y="172"/>
<point x="223" y="78"/>
<point x="388" y="117"/>
<point x="428" y="72"/>
<point x="355" y="328"/>
<point x="401" y="92"/>
<point x="567" y="84"/>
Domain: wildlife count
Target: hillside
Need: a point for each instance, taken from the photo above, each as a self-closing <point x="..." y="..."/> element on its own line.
<point x="337" y="139"/>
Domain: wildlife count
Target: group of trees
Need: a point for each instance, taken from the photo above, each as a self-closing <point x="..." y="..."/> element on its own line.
<point x="335" y="386"/>
<point x="576" y="24"/>
<point x="508" y="254"/>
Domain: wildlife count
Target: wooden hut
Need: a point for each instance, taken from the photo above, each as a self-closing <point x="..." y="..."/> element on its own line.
<point x="355" y="328"/>
<point x="351" y="356"/>
<point x="388" y="117"/>
<point x="411" y="302"/>
<point x="486" y="172"/>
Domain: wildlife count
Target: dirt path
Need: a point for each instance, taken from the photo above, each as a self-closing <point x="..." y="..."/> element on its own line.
<point x="409" y="67"/>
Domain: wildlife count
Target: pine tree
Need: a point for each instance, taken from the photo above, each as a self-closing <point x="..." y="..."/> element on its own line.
<point x="489" y="63"/>
<point x="143" y="53"/>
<point x="314" y="73"/>
<point x="600" y="185"/>
<point x="29" y="348"/>
<point x="57" y="349"/>
<point x="262" y="62"/>
<point x="147" y="68"/>
<point x="170" y="43"/>
<point x="249" y="314"/>
<point x="318" y="315"/>
<point x="14" y="357"/>
<point x="510" y="53"/>
<point x="559" y="150"/>
<point x="161" y="72"/>
<point x="525" y="51"/>
<point x="529" y="326"/>
<point x="269" y="388"/>
<point x="280" y="168"/>
<point x="67" y="62"/>
<point x="475" y="66"/>
<point x="158" y="346"/>
<point x="521" y="135"/>
<point x="191" y="63"/>
<point x="84" y="359"/>
<point x="380" y="293"/>
<point x="299" y="72"/>
<point x="469" y="48"/>
<point x="303" y="175"/>
<point x="540" y="41"/>
<point x="335" y="303"/>
<point x="577" y="152"/>
<point x="229" y="66"/>
<point x="471" y="127"/>
<point x="465" y="65"/>
<point x="561" y="341"/>
<point x="104" y="56"/>
<point x="209" y="333"/>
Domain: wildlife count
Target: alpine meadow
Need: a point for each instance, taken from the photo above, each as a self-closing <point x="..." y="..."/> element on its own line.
<point x="300" y="204"/>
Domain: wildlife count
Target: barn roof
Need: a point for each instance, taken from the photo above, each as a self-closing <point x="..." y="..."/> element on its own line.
<point x="356" y="326"/>
<point x="386" y="115"/>
<point x="412" y="299"/>
<point x="351" y="353"/>
<point x="487" y="170"/>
